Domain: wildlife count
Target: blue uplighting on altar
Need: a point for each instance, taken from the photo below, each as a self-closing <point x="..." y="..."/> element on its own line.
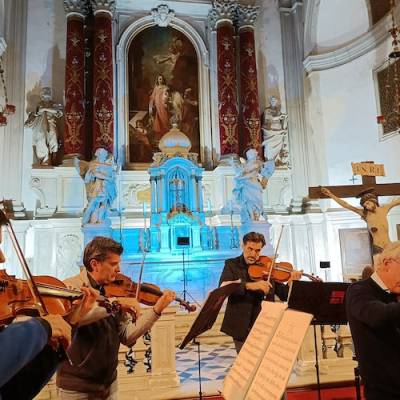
<point x="196" y="275"/>
<point x="179" y="250"/>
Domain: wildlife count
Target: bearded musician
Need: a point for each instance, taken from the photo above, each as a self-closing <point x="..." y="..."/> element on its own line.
<point x="244" y="304"/>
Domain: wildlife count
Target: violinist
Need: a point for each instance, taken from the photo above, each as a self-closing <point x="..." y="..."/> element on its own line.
<point x="373" y="311"/>
<point x="28" y="357"/>
<point x="244" y="305"/>
<point x="94" y="352"/>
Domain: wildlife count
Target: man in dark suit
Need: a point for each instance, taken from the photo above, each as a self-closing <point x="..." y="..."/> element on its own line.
<point x="244" y="304"/>
<point x="374" y="317"/>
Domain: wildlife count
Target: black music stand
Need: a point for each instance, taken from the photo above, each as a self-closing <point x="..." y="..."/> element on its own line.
<point x="206" y="318"/>
<point x="183" y="243"/>
<point x="326" y="301"/>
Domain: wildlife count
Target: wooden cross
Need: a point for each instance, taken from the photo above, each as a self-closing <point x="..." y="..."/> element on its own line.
<point x="368" y="171"/>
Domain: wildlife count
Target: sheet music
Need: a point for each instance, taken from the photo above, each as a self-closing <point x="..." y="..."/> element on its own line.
<point x="239" y="378"/>
<point x="274" y="371"/>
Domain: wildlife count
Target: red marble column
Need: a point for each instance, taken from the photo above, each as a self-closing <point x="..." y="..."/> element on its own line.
<point x="103" y="79"/>
<point x="74" y="111"/>
<point x="250" y="132"/>
<point x="227" y="88"/>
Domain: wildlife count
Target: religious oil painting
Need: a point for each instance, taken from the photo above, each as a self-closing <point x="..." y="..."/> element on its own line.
<point x="355" y="248"/>
<point x="163" y="91"/>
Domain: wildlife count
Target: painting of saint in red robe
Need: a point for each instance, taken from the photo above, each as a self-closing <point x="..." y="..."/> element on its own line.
<point x="163" y="90"/>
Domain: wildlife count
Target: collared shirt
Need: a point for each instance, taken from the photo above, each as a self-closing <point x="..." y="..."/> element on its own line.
<point x="376" y="278"/>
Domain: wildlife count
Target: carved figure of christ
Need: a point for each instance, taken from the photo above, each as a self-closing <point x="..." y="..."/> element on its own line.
<point x="374" y="214"/>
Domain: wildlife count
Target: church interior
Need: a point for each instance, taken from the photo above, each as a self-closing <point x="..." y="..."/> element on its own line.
<point x="176" y="127"/>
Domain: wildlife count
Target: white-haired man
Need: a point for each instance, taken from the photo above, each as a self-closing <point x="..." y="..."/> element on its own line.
<point x="374" y="317"/>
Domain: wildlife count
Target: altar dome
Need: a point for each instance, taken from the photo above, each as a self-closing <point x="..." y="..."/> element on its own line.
<point x="175" y="141"/>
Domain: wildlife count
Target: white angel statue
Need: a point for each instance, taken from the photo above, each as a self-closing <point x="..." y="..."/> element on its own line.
<point x="251" y="179"/>
<point x="101" y="191"/>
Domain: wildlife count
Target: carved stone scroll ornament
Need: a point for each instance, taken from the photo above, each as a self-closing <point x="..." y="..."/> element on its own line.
<point x="222" y="9"/>
<point x="103" y="5"/>
<point x="247" y="15"/>
<point x="162" y="15"/>
<point x="69" y="249"/>
<point x="75" y="6"/>
<point x="42" y="209"/>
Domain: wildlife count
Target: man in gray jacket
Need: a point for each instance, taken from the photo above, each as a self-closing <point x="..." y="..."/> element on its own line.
<point x="94" y="352"/>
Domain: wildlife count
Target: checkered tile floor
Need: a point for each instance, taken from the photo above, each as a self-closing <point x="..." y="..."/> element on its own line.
<point x="215" y="362"/>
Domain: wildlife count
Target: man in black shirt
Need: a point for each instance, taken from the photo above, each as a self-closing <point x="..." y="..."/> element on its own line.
<point x="244" y="305"/>
<point x="374" y="318"/>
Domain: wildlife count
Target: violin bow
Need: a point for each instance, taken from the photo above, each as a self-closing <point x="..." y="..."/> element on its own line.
<point x="37" y="298"/>
<point x="139" y="282"/>
<point x="275" y="255"/>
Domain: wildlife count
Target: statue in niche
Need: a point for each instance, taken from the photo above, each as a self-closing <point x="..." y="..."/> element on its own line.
<point x="372" y="213"/>
<point x="251" y="179"/>
<point x="99" y="178"/>
<point x="274" y="128"/>
<point x="43" y="122"/>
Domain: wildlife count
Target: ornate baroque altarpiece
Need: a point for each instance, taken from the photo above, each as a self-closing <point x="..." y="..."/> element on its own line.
<point x="163" y="90"/>
<point x="163" y="79"/>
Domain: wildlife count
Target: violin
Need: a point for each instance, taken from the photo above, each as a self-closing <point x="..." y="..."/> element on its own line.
<point x="149" y="293"/>
<point x="281" y="271"/>
<point x="16" y="297"/>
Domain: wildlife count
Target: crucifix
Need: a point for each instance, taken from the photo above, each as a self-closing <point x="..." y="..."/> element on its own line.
<point x="371" y="212"/>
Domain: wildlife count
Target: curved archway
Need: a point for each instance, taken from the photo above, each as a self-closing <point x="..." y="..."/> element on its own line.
<point x="122" y="78"/>
<point x="310" y="26"/>
<point x="318" y="14"/>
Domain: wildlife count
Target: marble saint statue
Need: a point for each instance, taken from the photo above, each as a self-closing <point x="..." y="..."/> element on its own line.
<point x="99" y="177"/>
<point x="43" y="122"/>
<point x="251" y="179"/>
<point x="274" y="128"/>
<point x="372" y="213"/>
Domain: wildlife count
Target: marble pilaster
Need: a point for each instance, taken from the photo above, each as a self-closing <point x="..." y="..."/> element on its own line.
<point x="11" y="136"/>
<point x="291" y="12"/>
